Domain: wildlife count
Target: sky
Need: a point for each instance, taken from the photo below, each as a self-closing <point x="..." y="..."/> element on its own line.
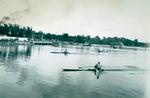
<point x="109" y="18"/>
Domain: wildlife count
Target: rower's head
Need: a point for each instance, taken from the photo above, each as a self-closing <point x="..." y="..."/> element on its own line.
<point x="98" y="62"/>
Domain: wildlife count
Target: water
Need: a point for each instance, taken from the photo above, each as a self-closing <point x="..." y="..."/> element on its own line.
<point x="35" y="72"/>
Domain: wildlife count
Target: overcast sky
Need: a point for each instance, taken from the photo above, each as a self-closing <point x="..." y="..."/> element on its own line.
<point x="122" y="18"/>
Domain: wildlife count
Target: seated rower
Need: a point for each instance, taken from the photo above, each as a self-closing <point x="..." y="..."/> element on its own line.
<point x="98" y="66"/>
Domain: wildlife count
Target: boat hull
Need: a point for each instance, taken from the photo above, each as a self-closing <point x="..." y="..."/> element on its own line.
<point x="80" y="70"/>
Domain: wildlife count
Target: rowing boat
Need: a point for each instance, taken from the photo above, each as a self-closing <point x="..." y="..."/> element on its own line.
<point x="60" y="52"/>
<point x="78" y="69"/>
<point x="92" y="69"/>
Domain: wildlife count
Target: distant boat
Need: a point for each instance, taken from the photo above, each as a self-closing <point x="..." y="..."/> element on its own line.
<point x="87" y="44"/>
<point x="64" y="52"/>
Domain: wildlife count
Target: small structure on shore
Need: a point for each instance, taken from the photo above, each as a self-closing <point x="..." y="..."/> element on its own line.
<point x="87" y="44"/>
<point x="116" y="45"/>
<point x="4" y="37"/>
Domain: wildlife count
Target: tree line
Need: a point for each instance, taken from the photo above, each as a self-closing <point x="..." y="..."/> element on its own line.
<point x="16" y="30"/>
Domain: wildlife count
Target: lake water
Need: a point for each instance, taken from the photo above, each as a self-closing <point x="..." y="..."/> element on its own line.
<point x="35" y="72"/>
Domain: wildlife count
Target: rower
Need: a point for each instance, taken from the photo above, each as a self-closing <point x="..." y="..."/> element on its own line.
<point x="66" y="52"/>
<point x="98" y="66"/>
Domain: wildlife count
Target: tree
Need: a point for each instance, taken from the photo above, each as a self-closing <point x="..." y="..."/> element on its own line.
<point x="96" y="40"/>
<point x="135" y="42"/>
<point x="80" y="39"/>
<point x="65" y="37"/>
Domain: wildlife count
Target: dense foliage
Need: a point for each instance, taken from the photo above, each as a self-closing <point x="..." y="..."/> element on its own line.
<point x="21" y="31"/>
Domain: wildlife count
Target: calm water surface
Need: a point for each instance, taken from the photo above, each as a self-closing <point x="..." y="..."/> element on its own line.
<point x="35" y="72"/>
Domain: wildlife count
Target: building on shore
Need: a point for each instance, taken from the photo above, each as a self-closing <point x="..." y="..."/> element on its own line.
<point x="116" y="45"/>
<point x="21" y="39"/>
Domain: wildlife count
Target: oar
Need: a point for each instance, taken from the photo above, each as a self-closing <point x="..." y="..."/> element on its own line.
<point x="85" y="67"/>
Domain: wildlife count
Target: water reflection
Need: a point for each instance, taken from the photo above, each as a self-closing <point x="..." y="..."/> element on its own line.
<point x="15" y="51"/>
<point x="76" y="85"/>
<point x="97" y="74"/>
<point x="10" y="57"/>
<point x="23" y="75"/>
